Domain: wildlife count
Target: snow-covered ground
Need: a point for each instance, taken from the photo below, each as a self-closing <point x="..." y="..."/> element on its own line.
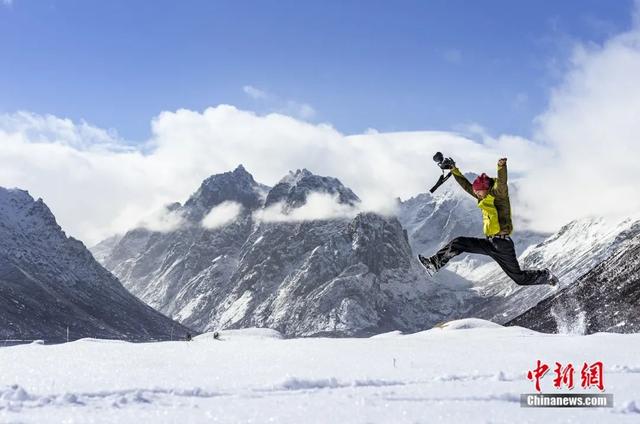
<point x="466" y="371"/>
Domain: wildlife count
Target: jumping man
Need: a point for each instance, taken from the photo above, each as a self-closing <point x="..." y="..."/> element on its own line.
<point x="493" y="200"/>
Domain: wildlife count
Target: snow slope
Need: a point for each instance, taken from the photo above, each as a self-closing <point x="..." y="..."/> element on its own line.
<point x="571" y="252"/>
<point x="464" y="372"/>
<point x="52" y="288"/>
<point x="607" y="298"/>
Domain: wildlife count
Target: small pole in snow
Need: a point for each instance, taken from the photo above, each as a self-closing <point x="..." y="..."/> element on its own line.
<point x="67" y="334"/>
<point x="394" y="363"/>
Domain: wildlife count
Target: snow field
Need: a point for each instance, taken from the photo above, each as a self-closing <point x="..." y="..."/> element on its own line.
<point x="464" y="371"/>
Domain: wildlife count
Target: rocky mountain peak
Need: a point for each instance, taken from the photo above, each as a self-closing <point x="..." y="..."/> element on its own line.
<point x="294" y="177"/>
<point x="237" y="186"/>
<point x="294" y="188"/>
<point x="241" y="171"/>
<point x="24" y="215"/>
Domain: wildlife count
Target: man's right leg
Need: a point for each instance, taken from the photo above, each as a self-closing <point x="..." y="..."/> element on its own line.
<point x="457" y="246"/>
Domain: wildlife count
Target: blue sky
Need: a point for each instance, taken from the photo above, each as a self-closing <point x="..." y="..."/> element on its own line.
<point x="392" y="66"/>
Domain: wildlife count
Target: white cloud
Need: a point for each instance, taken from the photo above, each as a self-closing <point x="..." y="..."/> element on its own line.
<point x="163" y="221"/>
<point x="254" y="93"/>
<point x="592" y="126"/>
<point x="318" y="206"/>
<point x="300" y="110"/>
<point x="222" y="214"/>
<point x="583" y="160"/>
<point x="100" y="188"/>
<point x="278" y="105"/>
<point x="51" y="129"/>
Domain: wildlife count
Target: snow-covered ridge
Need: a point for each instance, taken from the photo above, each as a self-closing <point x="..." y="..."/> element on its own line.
<point x="50" y="282"/>
<point x="603" y="299"/>
<point x="293" y="178"/>
<point x="21" y="212"/>
<point x="574" y="250"/>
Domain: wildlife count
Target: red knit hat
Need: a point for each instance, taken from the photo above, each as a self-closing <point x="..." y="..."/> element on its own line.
<point x="483" y="182"/>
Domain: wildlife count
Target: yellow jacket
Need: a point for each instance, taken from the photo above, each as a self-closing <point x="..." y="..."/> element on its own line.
<point x="495" y="207"/>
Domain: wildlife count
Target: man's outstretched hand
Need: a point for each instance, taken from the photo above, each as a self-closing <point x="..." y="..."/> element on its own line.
<point x="502" y="162"/>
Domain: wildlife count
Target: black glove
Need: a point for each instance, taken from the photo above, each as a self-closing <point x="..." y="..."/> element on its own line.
<point x="444" y="163"/>
<point x="447" y="163"/>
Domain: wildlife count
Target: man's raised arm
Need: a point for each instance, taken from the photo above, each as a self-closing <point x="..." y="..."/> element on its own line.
<point x="462" y="180"/>
<point x="502" y="177"/>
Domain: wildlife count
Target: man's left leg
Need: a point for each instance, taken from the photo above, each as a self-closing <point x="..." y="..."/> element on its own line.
<point x="504" y="253"/>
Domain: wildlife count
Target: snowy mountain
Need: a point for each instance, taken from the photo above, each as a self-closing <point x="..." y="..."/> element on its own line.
<point x="160" y="267"/>
<point x="237" y="186"/>
<point x="606" y="299"/>
<point x="103" y="249"/>
<point x="49" y="282"/>
<point x="340" y="276"/>
<point x="574" y="250"/>
<point x="294" y="189"/>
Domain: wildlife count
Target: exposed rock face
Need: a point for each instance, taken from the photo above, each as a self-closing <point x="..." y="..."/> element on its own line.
<point x="345" y="276"/>
<point x="237" y="186"/>
<point x="49" y="282"/>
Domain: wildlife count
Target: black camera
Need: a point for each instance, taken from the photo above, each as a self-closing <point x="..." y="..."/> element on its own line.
<point x="444" y="163"/>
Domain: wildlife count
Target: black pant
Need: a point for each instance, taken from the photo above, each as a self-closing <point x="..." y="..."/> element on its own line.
<point x="501" y="250"/>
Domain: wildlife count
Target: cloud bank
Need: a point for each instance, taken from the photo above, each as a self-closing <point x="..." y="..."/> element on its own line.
<point x="581" y="161"/>
<point x="592" y="126"/>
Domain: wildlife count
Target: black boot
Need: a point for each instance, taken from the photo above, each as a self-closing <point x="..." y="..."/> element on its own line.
<point x="551" y="279"/>
<point x="545" y="277"/>
<point x="431" y="264"/>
